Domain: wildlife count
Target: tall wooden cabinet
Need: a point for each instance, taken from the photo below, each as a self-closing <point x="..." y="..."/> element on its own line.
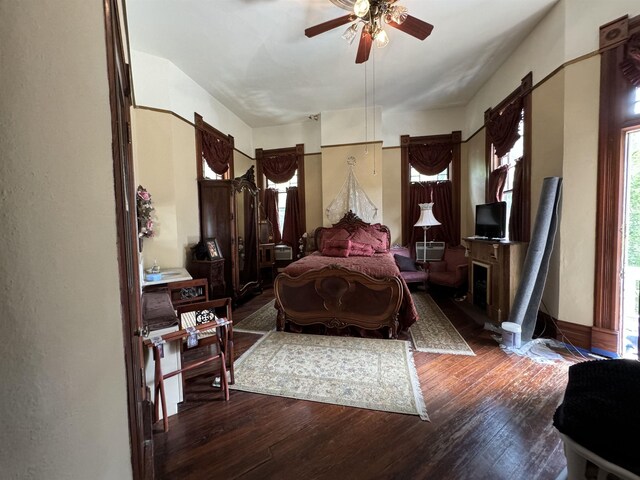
<point x="494" y="275"/>
<point x="229" y="213"/>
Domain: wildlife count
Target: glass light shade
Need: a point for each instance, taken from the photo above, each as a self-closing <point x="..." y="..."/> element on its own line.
<point x="399" y="14"/>
<point x="350" y="33"/>
<point x="361" y="8"/>
<point x="382" y="39"/>
<point x="426" y="216"/>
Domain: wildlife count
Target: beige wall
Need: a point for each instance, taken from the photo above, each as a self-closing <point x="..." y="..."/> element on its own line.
<point x="313" y="191"/>
<point x="391" y="192"/>
<point x="164" y="151"/>
<point x="63" y="403"/>
<point x="547" y="154"/>
<point x="580" y="171"/>
<point x="335" y="171"/>
<point x="472" y="184"/>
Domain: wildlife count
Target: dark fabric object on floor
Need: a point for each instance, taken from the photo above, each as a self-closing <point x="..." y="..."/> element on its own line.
<point x="599" y="405"/>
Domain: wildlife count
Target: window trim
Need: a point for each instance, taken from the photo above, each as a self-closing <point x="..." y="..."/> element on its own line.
<point x="523" y="91"/>
<point x="201" y="126"/>
<point x="614" y="119"/>
<point x="455" y="138"/>
<point x="260" y="178"/>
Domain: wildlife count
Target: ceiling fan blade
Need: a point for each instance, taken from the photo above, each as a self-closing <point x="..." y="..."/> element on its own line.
<point x="414" y="26"/>
<point x="331" y="24"/>
<point x="364" y="47"/>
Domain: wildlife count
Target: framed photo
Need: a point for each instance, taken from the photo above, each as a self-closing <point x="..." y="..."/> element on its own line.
<point x="213" y="249"/>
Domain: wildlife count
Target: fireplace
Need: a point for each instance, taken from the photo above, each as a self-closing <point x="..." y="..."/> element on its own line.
<point x="480" y="287"/>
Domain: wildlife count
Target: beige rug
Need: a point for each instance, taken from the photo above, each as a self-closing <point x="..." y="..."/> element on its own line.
<point x="432" y="333"/>
<point x="357" y="372"/>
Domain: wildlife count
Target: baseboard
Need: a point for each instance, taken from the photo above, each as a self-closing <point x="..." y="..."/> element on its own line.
<point x="574" y="334"/>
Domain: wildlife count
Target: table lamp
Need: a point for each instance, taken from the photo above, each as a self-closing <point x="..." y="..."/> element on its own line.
<point x="425" y="221"/>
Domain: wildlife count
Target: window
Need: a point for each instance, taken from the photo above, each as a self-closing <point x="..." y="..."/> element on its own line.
<point x="636" y="102"/>
<point x="415" y="176"/>
<point x="516" y="152"/>
<point x="210" y="174"/>
<point x="282" y="195"/>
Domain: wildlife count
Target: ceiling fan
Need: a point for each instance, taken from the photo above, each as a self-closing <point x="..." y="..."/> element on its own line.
<point x="373" y="14"/>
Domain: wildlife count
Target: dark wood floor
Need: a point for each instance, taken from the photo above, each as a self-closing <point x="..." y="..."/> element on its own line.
<point x="490" y="419"/>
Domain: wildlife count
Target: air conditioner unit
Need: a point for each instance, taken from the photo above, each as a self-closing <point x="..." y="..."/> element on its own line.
<point x="429" y="251"/>
<point x="283" y="252"/>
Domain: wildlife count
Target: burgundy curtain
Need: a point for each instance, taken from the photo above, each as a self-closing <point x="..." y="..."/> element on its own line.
<point x="419" y="192"/>
<point x="293" y="228"/>
<point x="216" y="152"/>
<point x="502" y="128"/>
<point x="516" y="224"/>
<point x="271" y="211"/>
<point x="497" y="179"/>
<point x="280" y="168"/>
<point x="430" y="159"/>
<point x="441" y="193"/>
<point x="250" y="270"/>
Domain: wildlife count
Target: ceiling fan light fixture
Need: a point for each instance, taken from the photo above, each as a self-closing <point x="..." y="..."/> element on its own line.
<point x="399" y="14"/>
<point x="350" y="33"/>
<point x="382" y="39"/>
<point x="361" y="8"/>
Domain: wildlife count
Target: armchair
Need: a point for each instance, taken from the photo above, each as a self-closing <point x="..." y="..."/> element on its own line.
<point x="452" y="270"/>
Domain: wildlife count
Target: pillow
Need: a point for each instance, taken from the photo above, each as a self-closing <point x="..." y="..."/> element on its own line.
<point x="405" y="264"/>
<point x="336" y="248"/>
<point x="381" y="237"/>
<point x="360" y="250"/>
<point x="329" y="234"/>
<point x="373" y="237"/>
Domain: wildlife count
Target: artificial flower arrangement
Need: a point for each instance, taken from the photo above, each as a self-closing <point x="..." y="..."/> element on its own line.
<point x="145" y="211"/>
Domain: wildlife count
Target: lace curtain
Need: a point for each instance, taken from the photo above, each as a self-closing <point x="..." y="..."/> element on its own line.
<point x="351" y="197"/>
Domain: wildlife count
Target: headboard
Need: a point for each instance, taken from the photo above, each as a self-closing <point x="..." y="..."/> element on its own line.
<point x="351" y="222"/>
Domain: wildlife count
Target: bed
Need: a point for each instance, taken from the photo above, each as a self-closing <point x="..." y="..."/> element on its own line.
<point x="351" y="283"/>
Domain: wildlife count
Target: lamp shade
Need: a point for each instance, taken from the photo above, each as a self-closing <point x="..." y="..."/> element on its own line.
<point x="426" y="216"/>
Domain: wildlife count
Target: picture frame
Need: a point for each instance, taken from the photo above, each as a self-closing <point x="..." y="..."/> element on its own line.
<point x="213" y="249"/>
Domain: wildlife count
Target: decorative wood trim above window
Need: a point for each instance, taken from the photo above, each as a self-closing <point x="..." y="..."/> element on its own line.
<point x="204" y="129"/>
<point x="619" y="38"/>
<point x="453" y="139"/>
<point x="522" y="96"/>
<point x="298" y="151"/>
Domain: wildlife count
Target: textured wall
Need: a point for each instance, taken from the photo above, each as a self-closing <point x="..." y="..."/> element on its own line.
<point x="63" y="410"/>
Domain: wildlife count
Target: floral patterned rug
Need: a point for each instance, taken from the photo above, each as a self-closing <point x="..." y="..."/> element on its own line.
<point x="432" y="333"/>
<point x="356" y="372"/>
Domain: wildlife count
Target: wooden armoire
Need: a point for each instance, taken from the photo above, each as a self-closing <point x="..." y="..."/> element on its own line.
<point x="229" y="213"/>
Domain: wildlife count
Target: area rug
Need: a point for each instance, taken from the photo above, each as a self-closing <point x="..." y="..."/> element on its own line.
<point x="261" y="321"/>
<point x="433" y="332"/>
<point x="357" y="372"/>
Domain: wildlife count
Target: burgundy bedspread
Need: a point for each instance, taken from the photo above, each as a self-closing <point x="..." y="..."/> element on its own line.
<point x="380" y="265"/>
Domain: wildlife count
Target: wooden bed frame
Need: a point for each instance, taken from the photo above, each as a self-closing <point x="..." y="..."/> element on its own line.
<point x="338" y="297"/>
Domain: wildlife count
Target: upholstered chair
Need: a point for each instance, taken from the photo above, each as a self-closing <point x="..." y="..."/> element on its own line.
<point x="452" y="270"/>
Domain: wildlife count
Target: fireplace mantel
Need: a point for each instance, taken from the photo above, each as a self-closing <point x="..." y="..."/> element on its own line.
<point x="496" y="267"/>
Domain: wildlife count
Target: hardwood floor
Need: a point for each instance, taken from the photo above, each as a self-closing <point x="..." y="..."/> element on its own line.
<point x="490" y="419"/>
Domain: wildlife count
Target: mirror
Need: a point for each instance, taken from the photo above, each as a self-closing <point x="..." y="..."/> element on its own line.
<point x="246" y="218"/>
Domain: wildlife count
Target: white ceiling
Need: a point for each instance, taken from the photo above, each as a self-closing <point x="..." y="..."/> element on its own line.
<point x="253" y="56"/>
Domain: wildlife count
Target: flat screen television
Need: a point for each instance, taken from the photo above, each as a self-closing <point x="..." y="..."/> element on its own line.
<point x="491" y="220"/>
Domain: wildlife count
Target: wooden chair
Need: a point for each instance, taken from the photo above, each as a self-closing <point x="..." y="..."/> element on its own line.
<point x="221" y="336"/>
<point x="210" y="330"/>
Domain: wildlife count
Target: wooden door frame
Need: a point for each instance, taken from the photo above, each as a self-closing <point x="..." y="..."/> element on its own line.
<point x="615" y="117"/>
<point x="119" y="77"/>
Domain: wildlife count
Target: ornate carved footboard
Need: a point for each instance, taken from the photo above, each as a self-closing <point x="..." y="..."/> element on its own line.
<point x="338" y="297"/>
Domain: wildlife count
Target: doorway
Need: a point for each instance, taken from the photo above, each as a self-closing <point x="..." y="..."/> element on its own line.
<point x="631" y="253"/>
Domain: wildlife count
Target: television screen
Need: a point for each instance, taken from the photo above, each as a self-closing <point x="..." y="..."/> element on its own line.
<point x="491" y="220"/>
